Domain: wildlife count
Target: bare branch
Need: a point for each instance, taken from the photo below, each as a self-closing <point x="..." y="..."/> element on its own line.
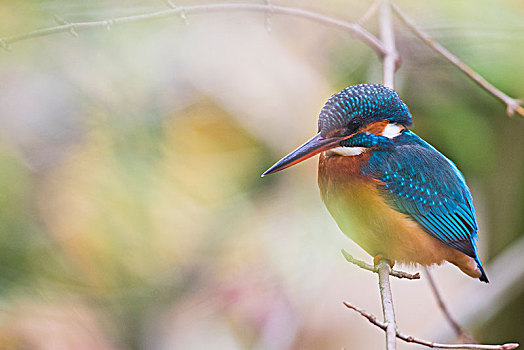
<point x="391" y="59"/>
<point x="370" y="12"/>
<point x="410" y="339"/>
<point x="62" y="22"/>
<point x="354" y="29"/>
<point x="512" y="105"/>
<point x="387" y="304"/>
<point x="460" y="331"/>
<point x="369" y="267"/>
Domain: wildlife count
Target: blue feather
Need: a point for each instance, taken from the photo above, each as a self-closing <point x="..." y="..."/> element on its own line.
<point x="419" y="181"/>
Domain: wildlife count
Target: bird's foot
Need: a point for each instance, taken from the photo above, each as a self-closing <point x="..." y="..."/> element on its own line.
<point x="378" y="257"/>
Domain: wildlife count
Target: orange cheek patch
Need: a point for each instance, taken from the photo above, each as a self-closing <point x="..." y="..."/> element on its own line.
<point x="375" y="128"/>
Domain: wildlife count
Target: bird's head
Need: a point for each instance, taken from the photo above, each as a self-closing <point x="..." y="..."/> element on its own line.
<point x="353" y="110"/>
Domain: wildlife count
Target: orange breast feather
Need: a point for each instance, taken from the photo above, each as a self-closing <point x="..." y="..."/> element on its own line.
<point x="362" y="214"/>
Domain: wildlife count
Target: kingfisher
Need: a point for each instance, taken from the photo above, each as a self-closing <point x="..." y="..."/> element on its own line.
<point x="388" y="190"/>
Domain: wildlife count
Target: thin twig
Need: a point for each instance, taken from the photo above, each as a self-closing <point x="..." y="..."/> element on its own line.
<point x="464" y="335"/>
<point x="410" y="339"/>
<point x="369" y="12"/>
<point x="354" y="29"/>
<point x="267" y="15"/>
<point x="512" y="105"/>
<point x="391" y="59"/>
<point x="372" y="268"/>
<point x="387" y="304"/>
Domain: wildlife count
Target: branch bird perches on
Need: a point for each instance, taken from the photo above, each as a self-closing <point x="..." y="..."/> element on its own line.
<point x="408" y="338"/>
<point x="366" y="266"/>
<point x="390" y="63"/>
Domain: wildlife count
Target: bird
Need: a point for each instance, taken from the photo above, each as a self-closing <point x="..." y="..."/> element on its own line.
<point x="391" y="192"/>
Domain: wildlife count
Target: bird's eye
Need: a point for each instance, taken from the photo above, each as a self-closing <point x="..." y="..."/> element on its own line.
<point x="353" y="126"/>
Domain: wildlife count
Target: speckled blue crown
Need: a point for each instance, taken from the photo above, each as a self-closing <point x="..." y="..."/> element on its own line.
<point x="361" y="104"/>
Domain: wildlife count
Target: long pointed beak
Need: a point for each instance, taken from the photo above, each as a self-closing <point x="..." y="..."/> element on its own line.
<point x="312" y="147"/>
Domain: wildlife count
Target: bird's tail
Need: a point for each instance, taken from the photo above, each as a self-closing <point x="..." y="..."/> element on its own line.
<point x="483" y="276"/>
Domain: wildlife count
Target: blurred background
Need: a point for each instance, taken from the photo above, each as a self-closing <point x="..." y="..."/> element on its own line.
<point x="132" y="212"/>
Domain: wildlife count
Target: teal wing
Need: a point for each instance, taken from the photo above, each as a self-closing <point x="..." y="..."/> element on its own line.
<point x="420" y="182"/>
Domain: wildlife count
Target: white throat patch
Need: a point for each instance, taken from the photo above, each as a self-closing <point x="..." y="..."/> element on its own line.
<point x="345" y="151"/>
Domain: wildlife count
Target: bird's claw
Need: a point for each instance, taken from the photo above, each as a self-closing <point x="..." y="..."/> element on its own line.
<point x="378" y="257"/>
